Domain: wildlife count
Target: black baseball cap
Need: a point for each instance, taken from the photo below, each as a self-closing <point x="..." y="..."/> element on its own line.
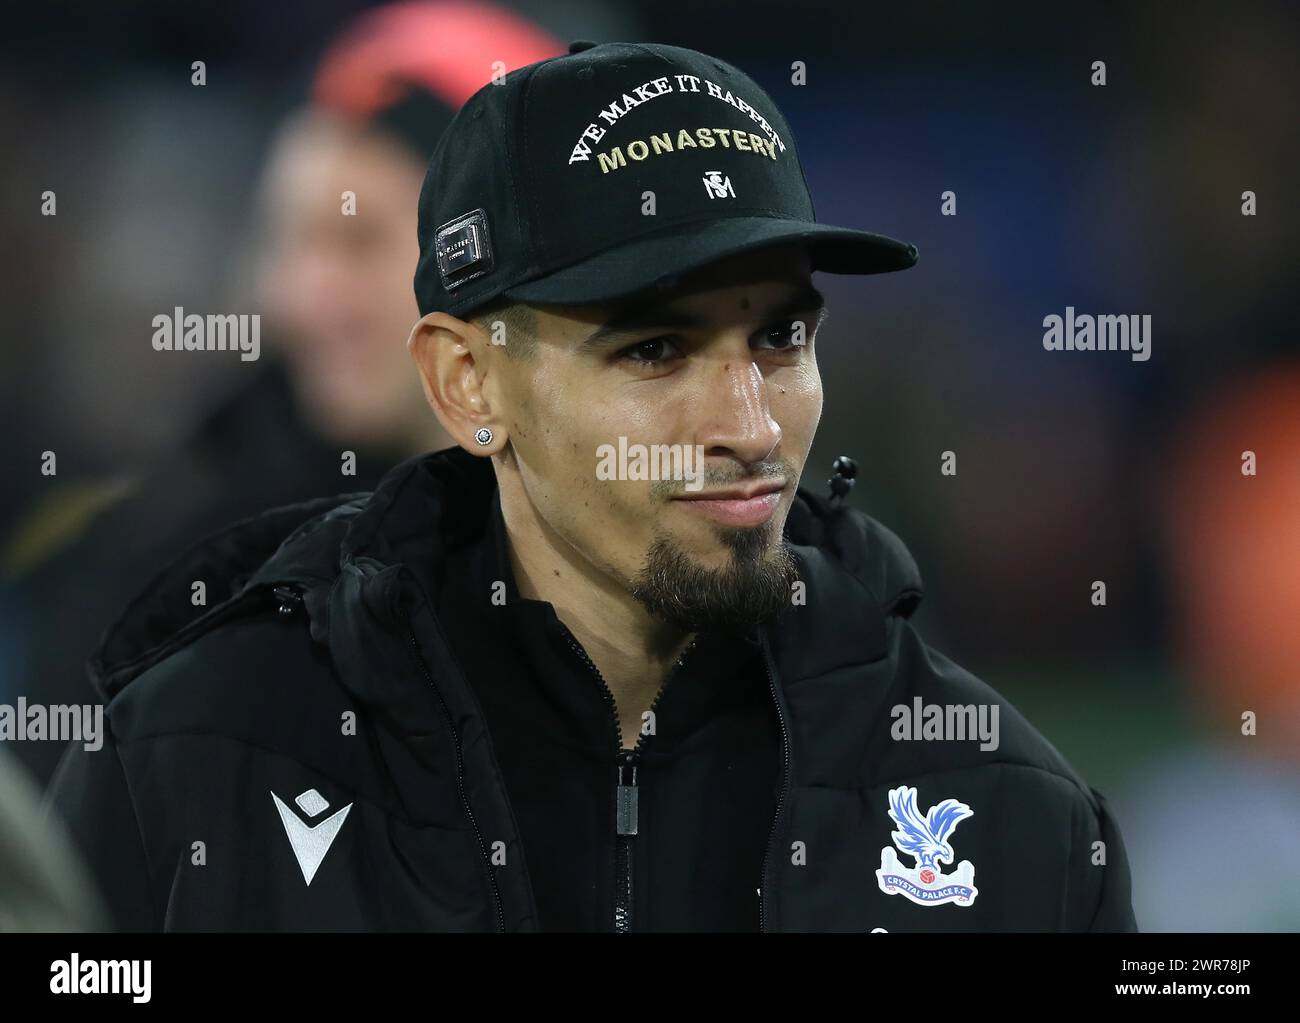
<point x="614" y="169"/>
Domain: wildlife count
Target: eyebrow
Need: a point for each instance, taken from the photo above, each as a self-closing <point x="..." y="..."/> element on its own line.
<point x="645" y="315"/>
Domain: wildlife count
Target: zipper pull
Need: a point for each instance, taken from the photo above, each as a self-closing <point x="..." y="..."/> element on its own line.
<point x="625" y="800"/>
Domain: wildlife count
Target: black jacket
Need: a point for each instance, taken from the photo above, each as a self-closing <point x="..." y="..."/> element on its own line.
<point x="321" y="673"/>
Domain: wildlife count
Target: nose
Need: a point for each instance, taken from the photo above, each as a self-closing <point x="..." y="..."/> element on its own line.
<point x="739" y="421"/>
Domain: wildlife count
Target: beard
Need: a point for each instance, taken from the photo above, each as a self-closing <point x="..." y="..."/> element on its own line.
<point x="749" y="590"/>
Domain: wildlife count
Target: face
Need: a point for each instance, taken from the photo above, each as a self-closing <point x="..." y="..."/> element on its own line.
<point x="724" y="366"/>
<point x="337" y="288"/>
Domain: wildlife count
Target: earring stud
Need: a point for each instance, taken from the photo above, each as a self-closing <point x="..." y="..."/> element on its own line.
<point x="483" y="436"/>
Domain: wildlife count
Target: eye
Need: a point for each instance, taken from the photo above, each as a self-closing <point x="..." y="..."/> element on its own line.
<point x="789" y="335"/>
<point x="653" y="351"/>
<point x="781" y="336"/>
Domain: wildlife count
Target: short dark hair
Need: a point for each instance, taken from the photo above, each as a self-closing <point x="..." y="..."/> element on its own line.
<point x="519" y="320"/>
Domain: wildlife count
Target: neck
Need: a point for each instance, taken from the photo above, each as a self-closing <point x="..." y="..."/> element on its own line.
<point x="632" y="649"/>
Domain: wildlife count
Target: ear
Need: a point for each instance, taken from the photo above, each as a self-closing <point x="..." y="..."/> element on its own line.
<point x="444" y="351"/>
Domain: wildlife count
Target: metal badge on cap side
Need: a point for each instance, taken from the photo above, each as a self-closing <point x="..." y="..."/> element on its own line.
<point x="464" y="249"/>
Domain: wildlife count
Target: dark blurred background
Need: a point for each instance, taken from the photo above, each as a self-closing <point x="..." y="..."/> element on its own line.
<point x="1072" y="466"/>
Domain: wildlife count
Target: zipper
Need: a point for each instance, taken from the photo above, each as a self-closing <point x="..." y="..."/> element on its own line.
<point x="626" y="791"/>
<point x="764" y="887"/>
<point x="460" y="771"/>
<point x="625" y="828"/>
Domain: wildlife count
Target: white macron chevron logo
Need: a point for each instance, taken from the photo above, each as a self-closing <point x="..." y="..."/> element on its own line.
<point x="310" y="843"/>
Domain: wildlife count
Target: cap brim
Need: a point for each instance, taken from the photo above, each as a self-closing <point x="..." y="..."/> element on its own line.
<point x="659" y="260"/>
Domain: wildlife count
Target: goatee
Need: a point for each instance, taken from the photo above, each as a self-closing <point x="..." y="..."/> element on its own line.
<point x="748" y="591"/>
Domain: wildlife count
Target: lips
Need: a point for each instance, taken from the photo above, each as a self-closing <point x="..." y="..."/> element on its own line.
<point x="750" y="507"/>
<point x="739" y="494"/>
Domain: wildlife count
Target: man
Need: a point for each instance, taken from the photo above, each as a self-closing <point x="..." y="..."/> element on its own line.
<point x="533" y="683"/>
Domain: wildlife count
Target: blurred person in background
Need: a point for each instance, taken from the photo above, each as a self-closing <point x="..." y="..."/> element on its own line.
<point x="334" y="289"/>
<point x="1214" y="827"/>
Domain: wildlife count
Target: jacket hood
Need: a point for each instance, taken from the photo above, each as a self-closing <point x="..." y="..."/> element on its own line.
<point x="421" y="508"/>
